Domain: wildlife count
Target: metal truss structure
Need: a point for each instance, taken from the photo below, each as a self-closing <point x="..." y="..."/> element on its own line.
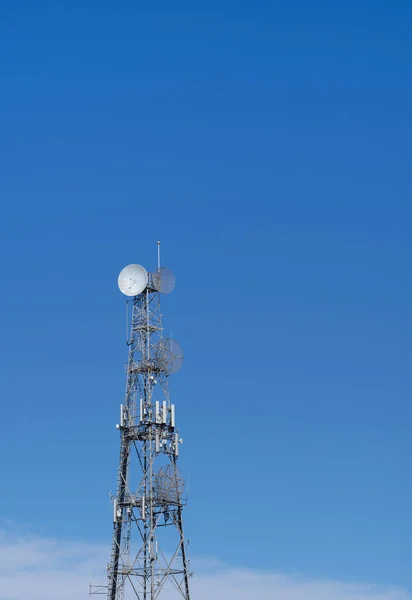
<point x="149" y="552"/>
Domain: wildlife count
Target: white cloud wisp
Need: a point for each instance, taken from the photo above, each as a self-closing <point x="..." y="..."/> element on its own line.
<point x="36" y="568"/>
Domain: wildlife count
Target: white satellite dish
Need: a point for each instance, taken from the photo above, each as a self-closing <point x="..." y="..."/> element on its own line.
<point x="132" y="280"/>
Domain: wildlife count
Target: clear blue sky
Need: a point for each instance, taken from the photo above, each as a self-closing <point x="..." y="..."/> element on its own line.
<point x="268" y="145"/>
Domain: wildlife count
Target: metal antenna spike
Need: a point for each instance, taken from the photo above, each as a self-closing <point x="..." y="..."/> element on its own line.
<point x="158" y="255"/>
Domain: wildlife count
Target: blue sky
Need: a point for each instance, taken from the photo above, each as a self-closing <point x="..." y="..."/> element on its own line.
<point x="268" y="146"/>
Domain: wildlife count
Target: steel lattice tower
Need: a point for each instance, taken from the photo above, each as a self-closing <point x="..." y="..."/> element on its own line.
<point x="149" y="552"/>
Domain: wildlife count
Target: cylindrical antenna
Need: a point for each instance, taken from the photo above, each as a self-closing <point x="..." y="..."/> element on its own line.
<point x="158" y="255"/>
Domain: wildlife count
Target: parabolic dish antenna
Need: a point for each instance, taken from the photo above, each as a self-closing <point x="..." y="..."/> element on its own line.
<point x="132" y="280"/>
<point x="168" y="355"/>
<point x="170" y="485"/>
<point x="164" y="280"/>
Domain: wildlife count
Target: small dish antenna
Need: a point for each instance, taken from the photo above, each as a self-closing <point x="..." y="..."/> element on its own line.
<point x="164" y="280"/>
<point x="168" y="355"/>
<point x="170" y="485"/>
<point x="132" y="280"/>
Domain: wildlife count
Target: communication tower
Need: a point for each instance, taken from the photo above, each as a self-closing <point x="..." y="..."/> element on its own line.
<point x="149" y="552"/>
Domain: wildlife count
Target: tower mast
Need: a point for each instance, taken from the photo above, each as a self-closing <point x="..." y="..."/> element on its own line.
<point x="149" y="552"/>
